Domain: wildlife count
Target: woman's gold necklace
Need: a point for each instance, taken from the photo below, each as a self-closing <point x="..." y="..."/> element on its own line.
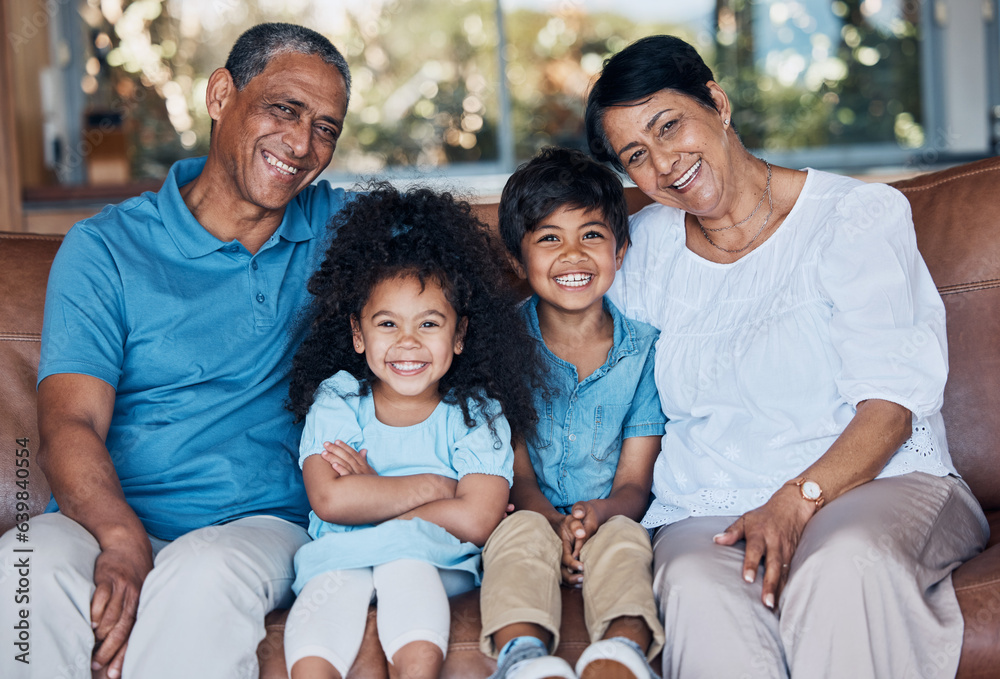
<point x="767" y="217"/>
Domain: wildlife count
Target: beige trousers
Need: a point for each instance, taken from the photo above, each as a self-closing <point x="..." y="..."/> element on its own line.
<point x="869" y="593"/>
<point x="521" y="578"/>
<point x="201" y="609"/>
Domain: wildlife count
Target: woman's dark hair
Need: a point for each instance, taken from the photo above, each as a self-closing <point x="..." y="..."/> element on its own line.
<point x="654" y="63"/>
<point x="384" y="233"/>
<point x="556" y="178"/>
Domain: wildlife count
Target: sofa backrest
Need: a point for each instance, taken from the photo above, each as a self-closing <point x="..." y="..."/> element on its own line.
<point x="956" y="214"/>
<point x="24" y="269"/>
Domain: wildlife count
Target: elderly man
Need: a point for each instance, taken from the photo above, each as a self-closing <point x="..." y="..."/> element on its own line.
<point x="170" y="323"/>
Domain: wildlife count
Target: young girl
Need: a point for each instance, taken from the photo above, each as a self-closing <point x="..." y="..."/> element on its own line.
<point x="414" y="373"/>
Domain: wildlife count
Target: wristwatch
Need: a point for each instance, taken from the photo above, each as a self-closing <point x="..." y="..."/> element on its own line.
<point x="810" y="490"/>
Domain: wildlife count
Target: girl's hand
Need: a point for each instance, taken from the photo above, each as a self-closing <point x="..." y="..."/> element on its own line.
<point x="772" y="533"/>
<point x="575" y="529"/>
<point x="345" y="460"/>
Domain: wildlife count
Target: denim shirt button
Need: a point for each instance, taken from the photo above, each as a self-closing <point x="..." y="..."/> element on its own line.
<point x="572" y="437"/>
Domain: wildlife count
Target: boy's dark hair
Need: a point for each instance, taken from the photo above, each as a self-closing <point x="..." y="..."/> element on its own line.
<point x="558" y="178"/>
<point x="654" y="63"/>
<point x="383" y="233"/>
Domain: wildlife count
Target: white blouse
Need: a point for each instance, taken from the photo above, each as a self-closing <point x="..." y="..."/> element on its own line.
<point x="761" y="363"/>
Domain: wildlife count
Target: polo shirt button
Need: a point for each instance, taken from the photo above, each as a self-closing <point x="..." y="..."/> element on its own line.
<point x="253" y="265"/>
<point x="572" y="437"/>
<point x="260" y="297"/>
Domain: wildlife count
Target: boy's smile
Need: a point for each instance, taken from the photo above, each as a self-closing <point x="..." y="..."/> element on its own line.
<point x="570" y="259"/>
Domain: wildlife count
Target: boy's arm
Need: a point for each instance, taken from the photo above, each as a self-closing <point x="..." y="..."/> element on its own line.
<point x="629" y="497"/>
<point x="633" y="479"/>
<point x="525" y="493"/>
<point x="634" y="475"/>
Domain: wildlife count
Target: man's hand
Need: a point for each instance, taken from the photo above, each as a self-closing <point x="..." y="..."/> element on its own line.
<point x="74" y="413"/>
<point x="345" y="460"/>
<point x="574" y="530"/>
<point x="118" y="575"/>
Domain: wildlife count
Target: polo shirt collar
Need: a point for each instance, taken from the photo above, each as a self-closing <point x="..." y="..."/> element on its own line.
<point x="193" y="239"/>
<point x="624" y="343"/>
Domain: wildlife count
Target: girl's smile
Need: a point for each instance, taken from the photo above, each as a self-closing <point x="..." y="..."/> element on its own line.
<point x="409" y="334"/>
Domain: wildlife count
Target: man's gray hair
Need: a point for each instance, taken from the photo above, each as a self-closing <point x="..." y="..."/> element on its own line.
<point x="254" y="50"/>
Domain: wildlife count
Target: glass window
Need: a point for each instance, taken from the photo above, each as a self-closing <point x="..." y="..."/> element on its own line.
<point x="424" y="74"/>
<point x="555" y="49"/>
<point x="811" y="80"/>
<point x="811" y="73"/>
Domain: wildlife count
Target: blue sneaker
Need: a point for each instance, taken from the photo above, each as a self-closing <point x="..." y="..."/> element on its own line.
<point x="617" y="657"/>
<point x="530" y="661"/>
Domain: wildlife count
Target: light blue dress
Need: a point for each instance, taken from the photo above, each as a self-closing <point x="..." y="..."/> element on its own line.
<point x="442" y="444"/>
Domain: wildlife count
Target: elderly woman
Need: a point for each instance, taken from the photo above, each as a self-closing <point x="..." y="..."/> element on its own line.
<point x="808" y="514"/>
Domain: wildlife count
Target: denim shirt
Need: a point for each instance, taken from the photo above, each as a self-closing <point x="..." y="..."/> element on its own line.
<point x="581" y="425"/>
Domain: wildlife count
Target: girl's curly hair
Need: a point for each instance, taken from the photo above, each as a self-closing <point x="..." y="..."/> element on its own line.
<point x="383" y="233"/>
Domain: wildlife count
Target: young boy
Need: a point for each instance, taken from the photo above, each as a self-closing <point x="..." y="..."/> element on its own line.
<point x="583" y="481"/>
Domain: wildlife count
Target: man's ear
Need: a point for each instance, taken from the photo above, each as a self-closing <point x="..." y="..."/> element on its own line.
<point x="220" y="91"/>
<point x="359" y="340"/>
<point x="620" y="255"/>
<point x="463" y="326"/>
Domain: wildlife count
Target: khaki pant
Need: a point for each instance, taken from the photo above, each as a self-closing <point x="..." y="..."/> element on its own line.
<point x="201" y="610"/>
<point x="869" y="593"/>
<point x="521" y="563"/>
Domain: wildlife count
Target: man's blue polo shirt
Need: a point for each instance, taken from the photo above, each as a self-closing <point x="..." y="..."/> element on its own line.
<point x="581" y="427"/>
<point x="197" y="337"/>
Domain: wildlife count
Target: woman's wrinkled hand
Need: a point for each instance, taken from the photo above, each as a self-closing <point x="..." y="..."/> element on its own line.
<point x="772" y="534"/>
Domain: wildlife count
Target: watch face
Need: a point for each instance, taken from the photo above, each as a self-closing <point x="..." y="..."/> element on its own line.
<point x="811" y="490"/>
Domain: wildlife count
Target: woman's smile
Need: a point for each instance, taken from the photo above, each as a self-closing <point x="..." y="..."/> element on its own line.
<point x="687" y="178"/>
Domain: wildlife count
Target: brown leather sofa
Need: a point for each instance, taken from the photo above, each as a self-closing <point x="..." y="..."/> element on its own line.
<point x="957" y="217"/>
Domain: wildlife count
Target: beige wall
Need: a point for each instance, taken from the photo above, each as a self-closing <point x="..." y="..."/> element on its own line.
<point x="10" y="184"/>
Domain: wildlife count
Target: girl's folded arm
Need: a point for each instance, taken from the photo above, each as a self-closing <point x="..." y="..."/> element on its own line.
<point x="478" y="506"/>
<point x="357" y="499"/>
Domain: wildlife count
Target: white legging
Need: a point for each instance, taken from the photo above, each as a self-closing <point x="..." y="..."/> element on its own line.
<point x="328" y="617"/>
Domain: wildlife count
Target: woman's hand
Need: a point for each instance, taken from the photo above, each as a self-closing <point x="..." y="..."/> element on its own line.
<point x="345" y="460"/>
<point x="772" y="533"/>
